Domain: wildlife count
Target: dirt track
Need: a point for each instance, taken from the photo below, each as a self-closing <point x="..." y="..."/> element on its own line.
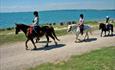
<point x="15" y="57"/>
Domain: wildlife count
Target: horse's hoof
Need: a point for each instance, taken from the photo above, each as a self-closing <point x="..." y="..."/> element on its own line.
<point x="35" y="49"/>
<point x="27" y="49"/>
<point x="36" y="42"/>
<point x="77" y="41"/>
<point x="46" y="45"/>
<point x="84" y="40"/>
<point x="56" y="43"/>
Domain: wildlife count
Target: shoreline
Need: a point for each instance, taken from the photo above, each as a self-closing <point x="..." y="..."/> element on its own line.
<point x="62" y="23"/>
<point x="63" y="10"/>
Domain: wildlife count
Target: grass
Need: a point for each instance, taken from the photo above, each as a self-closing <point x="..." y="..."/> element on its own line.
<point x="103" y="59"/>
<point x="11" y="38"/>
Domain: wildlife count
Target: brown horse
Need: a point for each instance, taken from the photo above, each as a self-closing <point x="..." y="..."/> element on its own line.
<point x="38" y="32"/>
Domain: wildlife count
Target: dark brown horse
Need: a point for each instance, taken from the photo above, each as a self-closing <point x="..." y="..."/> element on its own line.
<point x="38" y="32"/>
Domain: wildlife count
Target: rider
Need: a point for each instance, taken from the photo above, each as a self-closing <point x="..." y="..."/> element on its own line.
<point x="107" y="21"/>
<point x="36" y="19"/>
<point x="81" y="23"/>
<point x="35" y="23"/>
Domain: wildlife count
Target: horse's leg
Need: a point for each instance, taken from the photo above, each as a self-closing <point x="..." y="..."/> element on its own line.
<point x="53" y="39"/>
<point x="77" y="34"/>
<point x="105" y="32"/>
<point x="87" y="35"/>
<point x="101" y="33"/>
<point x="33" y="43"/>
<point x="37" y="39"/>
<point x="47" y="40"/>
<point x="108" y="32"/>
<point x="112" y="32"/>
<point x="26" y="44"/>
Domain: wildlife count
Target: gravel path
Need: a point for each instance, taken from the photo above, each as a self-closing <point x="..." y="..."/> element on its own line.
<point x="14" y="56"/>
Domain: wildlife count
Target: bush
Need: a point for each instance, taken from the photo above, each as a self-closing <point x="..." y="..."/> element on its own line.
<point x="61" y="23"/>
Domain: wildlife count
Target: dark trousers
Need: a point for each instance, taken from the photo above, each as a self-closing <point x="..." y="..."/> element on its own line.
<point x="81" y="29"/>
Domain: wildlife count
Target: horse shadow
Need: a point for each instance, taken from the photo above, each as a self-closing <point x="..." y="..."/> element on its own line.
<point x="44" y="41"/>
<point x="49" y="47"/>
<point x="89" y="40"/>
<point x="109" y="35"/>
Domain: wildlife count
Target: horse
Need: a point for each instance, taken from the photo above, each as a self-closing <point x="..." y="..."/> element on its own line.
<point x="76" y="30"/>
<point x="30" y="33"/>
<point x="103" y="27"/>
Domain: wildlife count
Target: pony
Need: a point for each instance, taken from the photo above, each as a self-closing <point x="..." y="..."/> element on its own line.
<point x="76" y="30"/>
<point x="103" y="27"/>
<point x="31" y="33"/>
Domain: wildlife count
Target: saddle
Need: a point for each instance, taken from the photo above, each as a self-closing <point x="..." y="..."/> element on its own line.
<point x="108" y="27"/>
<point x="30" y="30"/>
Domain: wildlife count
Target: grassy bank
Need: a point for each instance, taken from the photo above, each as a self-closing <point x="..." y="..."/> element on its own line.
<point x="103" y="59"/>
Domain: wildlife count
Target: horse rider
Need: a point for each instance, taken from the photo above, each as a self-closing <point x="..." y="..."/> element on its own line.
<point x="36" y="19"/>
<point x="81" y="23"/>
<point x="107" y="21"/>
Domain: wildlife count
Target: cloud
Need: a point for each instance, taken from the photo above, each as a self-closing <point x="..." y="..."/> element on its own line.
<point x="59" y="5"/>
<point x="80" y="5"/>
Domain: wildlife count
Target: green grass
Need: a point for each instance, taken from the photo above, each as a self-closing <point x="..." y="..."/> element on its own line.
<point x="103" y="59"/>
<point x="11" y="38"/>
<point x="91" y="22"/>
<point x="61" y="32"/>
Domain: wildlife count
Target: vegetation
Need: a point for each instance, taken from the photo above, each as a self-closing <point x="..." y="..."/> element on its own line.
<point x="103" y="59"/>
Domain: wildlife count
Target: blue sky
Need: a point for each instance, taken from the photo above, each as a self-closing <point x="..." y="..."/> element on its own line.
<point x="31" y="5"/>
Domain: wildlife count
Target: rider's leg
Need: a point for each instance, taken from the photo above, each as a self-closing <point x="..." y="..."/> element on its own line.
<point x="81" y="29"/>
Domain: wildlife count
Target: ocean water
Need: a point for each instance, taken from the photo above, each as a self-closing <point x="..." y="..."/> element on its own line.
<point x="57" y="16"/>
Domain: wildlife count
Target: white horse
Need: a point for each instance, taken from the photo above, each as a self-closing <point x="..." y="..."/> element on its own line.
<point x="76" y="30"/>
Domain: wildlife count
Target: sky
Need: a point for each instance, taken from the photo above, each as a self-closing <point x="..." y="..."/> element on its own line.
<point x="41" y="5"/>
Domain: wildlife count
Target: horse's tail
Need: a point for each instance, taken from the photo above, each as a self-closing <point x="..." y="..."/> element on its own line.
<point x="53" y="32"/>
<point x="112" y="28"/>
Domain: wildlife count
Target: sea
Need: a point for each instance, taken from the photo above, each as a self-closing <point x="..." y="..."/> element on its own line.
<point x="8" y="19"/>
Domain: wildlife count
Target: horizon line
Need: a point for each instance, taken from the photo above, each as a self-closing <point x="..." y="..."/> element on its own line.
<point x="52" y="10"/>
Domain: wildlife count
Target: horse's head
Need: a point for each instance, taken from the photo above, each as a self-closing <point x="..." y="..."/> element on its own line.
<point x="71" y="27"/>
<point x="17" y="28"/>
<point x="101" y="26"/>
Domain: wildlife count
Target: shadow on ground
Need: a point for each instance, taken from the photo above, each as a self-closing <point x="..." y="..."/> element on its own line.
<point x="44" y="41"/>
<point x="89" y="40"/>
<point x="49" y="47"/>
<point x="109" y="35"/>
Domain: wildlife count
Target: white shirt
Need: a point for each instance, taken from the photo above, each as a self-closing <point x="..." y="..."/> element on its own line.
<point x="35" y="21"/>
<point x="81" y="21"/>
